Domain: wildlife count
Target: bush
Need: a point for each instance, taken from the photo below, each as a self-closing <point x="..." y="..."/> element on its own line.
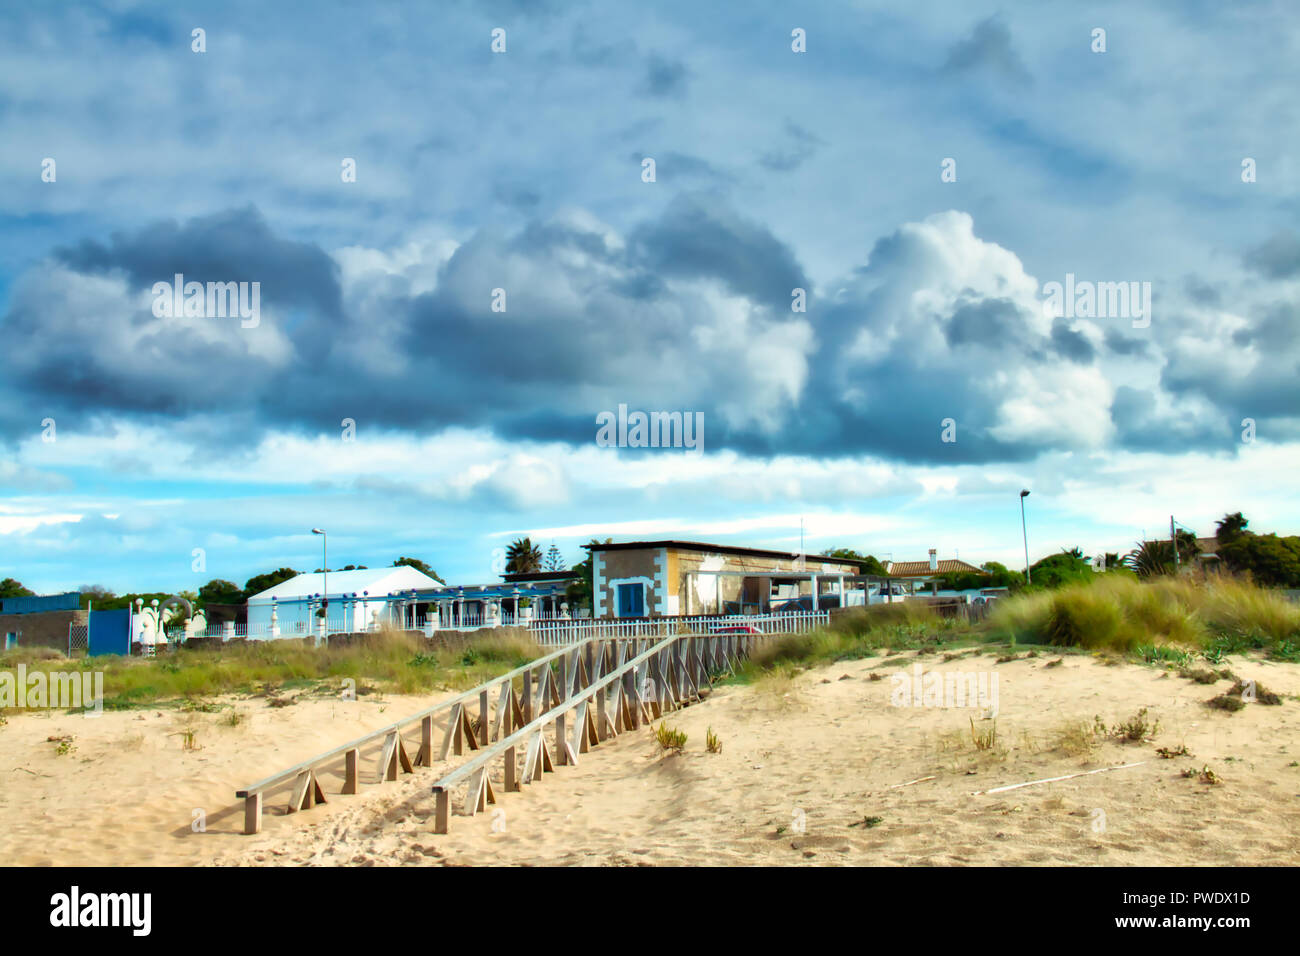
<point x="1081" y="617"/>
<point x="1216" y="613"/>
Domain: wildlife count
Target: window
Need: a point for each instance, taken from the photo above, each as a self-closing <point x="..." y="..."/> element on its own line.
<point x="631" y="600"/>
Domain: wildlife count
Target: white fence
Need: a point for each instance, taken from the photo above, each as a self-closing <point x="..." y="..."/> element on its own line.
<point x="557" y="633"/>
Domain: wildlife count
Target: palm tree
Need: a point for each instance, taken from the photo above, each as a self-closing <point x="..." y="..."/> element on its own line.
<point x="1150" y="558"/>
<point x="1230" y="526"/>
<point x="523" y="555"/>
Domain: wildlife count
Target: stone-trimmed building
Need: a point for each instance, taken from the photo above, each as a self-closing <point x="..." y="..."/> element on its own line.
<point x="671" y="578"/>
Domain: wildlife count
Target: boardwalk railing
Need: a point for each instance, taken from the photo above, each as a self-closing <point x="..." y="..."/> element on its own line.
<point x="625" y="683"/>
<point x="655" y="676"/>
<point x="552" y="633"/>
<point x="394" y="758"/>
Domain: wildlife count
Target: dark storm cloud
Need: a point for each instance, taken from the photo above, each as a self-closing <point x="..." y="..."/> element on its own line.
<point x="800" y="145"/>
<point x="1070" y="344"/>
<point x="993" y="322"/>
<point x="664" y="77"/>
<point x="592" y="321"/>
<point x="699" y="238"/>
<point x="988" y="47"/>
<point x="1117" y="343"/>
<point x="233" y="246"/>
<point x="1276" y="258"/>
<point x="1139" y="427"/>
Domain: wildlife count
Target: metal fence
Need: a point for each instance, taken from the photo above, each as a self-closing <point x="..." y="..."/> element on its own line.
<point x="78" y="639"/>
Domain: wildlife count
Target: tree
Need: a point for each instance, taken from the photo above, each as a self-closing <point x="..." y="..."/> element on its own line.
<point x="260" y="582"/>
<point x="11" y="588"/>
<point x="991" y="575"/>
<point x="219" y="591"/>
<point x="419" y="566"/>
<point x="1067" y="567"/>
<point x="579" y="591"/>
<point x="1270" y="560"/>
<point x="96" y="594"/>
<point x="523" y="556"/>
<point x="554" y="560"/>
<point x="1230" y="527"/>
<point x="869" y="563"/>
<point x="1150" y="558"/>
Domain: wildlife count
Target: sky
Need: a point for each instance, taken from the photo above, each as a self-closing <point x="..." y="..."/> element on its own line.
<point x="840" y="262"/>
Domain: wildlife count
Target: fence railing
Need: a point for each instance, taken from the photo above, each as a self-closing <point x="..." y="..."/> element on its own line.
<point x="394" y="758"/>
<point x="552" y="633"/>
<point x="547" y="631"/>
<point x="624" y="684"/>
<point x="613" y="684"/>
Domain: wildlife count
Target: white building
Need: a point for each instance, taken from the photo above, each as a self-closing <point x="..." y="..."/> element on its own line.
<point x="357" y="600"/>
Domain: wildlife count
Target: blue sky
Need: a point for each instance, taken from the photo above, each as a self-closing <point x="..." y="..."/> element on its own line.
<point x="522" y="170"/>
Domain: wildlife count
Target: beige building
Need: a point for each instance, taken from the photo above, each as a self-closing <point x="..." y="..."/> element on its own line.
<point x="667" y="578"/>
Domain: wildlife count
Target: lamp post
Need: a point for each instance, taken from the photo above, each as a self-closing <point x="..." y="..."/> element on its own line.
<point x="325" y="569"/>
<point x="1024" y="493"/>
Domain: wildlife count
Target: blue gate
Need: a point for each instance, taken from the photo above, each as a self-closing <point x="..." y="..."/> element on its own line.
<point x="110" y="632"/>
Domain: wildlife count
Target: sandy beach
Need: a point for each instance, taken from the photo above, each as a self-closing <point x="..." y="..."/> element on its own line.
<point x="814" y="770"/>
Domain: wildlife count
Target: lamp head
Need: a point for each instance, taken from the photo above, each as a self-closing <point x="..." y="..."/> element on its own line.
<point x="1024" y="493"/>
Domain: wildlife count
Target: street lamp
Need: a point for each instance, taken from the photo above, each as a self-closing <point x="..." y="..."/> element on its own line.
<point x="1024" y="493"/>
<point x="325" y="568"/>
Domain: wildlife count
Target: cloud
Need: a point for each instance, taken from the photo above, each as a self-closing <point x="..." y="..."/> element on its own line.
<point x="988" y="48"/>
<point x="665" y="78"/>
<point x="689" y="310"/>
<point x="1276" y="258"/>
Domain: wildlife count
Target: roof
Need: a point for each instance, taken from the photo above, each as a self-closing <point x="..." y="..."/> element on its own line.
<point x="539" y="575"/>
<point x="378" y="581"/>
<point x="504" y="591"/>
<point x="720" y="548"/>
<point x="1207" y="547"/>
<point x="34" y="603"/>
<point x="921" y="569"/>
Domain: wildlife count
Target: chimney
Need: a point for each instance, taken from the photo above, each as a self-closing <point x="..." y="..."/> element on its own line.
<point x="934" y="560"/>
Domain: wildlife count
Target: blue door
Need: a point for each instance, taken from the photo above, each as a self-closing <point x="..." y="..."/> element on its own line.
<point x="110" y="632"/>
<point x="631" y="600"/>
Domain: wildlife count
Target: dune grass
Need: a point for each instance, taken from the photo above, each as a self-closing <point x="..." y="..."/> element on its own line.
<point x="1161" y="619"/>
<point x="855" y="634"/>
<point x="1166" y="620"/>
<point x="386" y="661"/>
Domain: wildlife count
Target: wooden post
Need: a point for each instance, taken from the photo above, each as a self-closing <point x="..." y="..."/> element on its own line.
<point x="442" y="809"/>
<point x="511" y="779"/>
<point x="253" y="813"/>
<point x="528" y="696"/>
<point x="425" y="757"/>
<point x="350" y="771"/>
<point x="483" y="718"/>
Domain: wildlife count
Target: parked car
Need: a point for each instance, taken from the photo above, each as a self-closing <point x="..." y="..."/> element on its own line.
<point x="735" y="629"/>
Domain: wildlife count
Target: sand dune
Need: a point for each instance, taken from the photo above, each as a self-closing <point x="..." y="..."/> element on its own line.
<point x="817" y="770"/>
<point x="836" y="750"/>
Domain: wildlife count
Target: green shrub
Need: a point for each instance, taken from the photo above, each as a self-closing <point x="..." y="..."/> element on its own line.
<point x="1083" y="618"/>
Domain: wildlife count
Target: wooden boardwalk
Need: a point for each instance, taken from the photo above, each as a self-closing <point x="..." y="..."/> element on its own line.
<point x="607" y="686"/>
